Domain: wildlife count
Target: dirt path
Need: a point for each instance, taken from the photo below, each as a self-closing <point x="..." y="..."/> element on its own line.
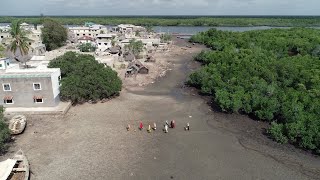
<point x="91" y="142"/>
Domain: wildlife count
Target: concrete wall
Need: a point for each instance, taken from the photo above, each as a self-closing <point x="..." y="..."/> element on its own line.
<point x="4" y="35"/>
<point x="55" y="78"/>
<point x="4" y="63"/>
<point x="104" y="44"/>
<point x="23" y="92"/>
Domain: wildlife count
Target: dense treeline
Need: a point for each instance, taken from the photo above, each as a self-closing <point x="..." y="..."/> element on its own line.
<point x="179" y="21"/>
<point x="271" y="74"/>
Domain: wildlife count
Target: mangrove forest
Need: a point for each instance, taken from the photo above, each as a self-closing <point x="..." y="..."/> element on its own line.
<point x="272" y="75"/>
<point x="287" y="21"/>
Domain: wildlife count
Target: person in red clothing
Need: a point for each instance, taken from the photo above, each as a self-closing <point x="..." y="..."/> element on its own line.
<point x="141" y="126"/>
<point x="173" y="124"/>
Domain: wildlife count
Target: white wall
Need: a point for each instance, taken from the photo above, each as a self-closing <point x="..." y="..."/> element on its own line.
<point x="55" y="83"/>
<point x="4" y="35"/>
<point x="4" y="63"/>
<point x="103" y="46"/>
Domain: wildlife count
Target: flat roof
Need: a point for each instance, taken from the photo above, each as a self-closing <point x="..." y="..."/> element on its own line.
<point x="106" y="35"/>
<point x="40" y="71"/>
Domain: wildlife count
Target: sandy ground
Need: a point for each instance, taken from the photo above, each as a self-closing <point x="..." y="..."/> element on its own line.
<point x="91" y="142"/>
<point x="156" y="69"/>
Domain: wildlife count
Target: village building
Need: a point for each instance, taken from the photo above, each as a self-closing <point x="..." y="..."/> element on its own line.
<point x="92" y="31"/>
<point x="86" y="39"/>
<point x="104" y="41"/>
<point x="4" y="36"/>
<point x="28" y="87"/>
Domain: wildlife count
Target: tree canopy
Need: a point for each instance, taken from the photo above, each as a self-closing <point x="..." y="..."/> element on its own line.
<point x="84" y="79"/>
<point x="87" y="47"/>
<point x="178" y="21"/>
<point x="54" y="35"/>
<point x="19" y="46"/>
<point x="136" y="47"/>
<point x="4" y="132"/>
<point x="271" y="74"/>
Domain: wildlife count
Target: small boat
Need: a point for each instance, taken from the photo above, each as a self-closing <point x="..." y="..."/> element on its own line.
<point x="16" y="168"/>
<point x="17" y="124"/>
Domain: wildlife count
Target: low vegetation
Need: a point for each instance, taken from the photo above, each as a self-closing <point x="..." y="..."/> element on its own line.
<point x="165" y="38"/>
<point x="4" y="132"/>
<point x="273" y="75"/>
<point x="2" y="51"/>
<point x="84" y="79"/>
<point x="87" y="47"/>
<point x="54" y="34"/>
<point x="178" y="21"/>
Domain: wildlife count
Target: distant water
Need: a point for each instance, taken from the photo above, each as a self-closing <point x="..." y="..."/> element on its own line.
<point x="196" y="29"/>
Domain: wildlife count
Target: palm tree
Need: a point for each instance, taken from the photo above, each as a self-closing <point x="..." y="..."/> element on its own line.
<point x="20" y="42"/>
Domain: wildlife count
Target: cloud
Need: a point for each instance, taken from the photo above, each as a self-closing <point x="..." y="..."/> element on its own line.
<point x="160" y="7"/>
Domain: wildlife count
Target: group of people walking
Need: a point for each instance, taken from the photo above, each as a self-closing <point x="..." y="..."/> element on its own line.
<point x="165" y="129"/>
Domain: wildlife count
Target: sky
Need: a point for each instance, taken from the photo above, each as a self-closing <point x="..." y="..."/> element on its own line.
<point x="159" y="7"/>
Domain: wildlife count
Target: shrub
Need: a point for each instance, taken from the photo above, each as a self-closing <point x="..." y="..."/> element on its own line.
<point x="4" y="132"/>
<point x="276" y="131"/>
<point x="87" y="47"/>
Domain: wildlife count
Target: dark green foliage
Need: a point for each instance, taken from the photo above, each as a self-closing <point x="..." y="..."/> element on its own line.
<point x="136" y="47"/>
<point x="54" y="35"/>
<point x="276" y="131"/>
<point x="87" y="47"/>
<point x="271" y="74"/>
<point x="84" y="79"/>
<point x="178" y="21"/>
<point x="4" y="132"/>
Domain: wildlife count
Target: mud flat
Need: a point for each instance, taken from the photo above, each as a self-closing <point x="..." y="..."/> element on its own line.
<point x="91" y="141"/>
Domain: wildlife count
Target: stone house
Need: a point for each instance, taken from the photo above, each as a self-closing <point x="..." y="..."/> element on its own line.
<point x="28" y="87"/>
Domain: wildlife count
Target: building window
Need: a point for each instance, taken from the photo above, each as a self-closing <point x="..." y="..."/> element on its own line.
<point x="36" y="86"/>
<point x="8" y="100"/>
<point x="38" y="100"/>
<point x="59" y="80"/>
<point x="6" y="87"/>
<point x="89" y="34"/>
<point x="78" y="34"/>
<point x="0" y="65"/>
<point x="84" y="34"/>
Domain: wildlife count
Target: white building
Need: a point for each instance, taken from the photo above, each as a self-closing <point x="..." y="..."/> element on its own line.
<point x="3" y="36"/>
<point x="37" y="47"/>
<point x="104" y="41"/>
<point x="91" y="31"/>
<point x="86" y="39"/>
<point x="29" y="87"/>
